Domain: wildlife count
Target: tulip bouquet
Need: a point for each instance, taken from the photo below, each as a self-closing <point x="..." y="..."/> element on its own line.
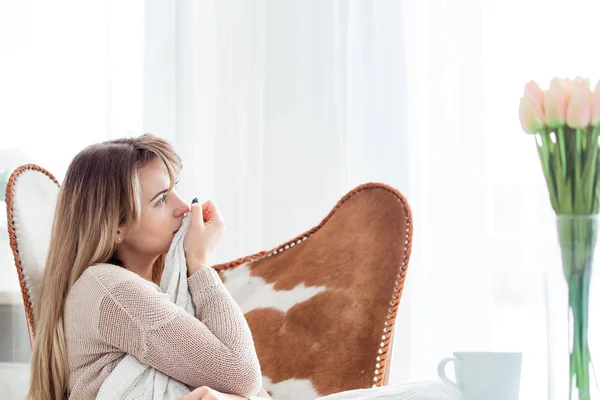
<point x="565" y="120"/>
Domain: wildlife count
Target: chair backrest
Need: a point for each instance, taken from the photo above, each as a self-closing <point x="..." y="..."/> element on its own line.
<point x="321" y="307"/>
<point x="31" y="195"/>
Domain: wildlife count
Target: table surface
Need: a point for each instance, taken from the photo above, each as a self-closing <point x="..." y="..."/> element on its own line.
<point x="14" y="380"/>
<point x="421" y="390"/>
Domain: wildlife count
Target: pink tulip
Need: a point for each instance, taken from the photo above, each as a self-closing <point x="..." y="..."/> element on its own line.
<point x="582" y="83"/>
<point x="533" y="91"/>
<point x="555" y="104"/>
<point x="564" y="85"/>
<point x="531" y="108"/>
<point x="579" y="108"/>
<point x="532" y="120"/>
<point x="556" y="82"/>
<point x="596" y="105"/>
<point x="569" y="86"/>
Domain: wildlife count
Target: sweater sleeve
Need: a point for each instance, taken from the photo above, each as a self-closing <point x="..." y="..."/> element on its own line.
<point x="214" y="349"/>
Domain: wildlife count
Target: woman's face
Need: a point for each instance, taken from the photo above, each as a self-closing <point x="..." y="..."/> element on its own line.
<point x="162" y="213"/>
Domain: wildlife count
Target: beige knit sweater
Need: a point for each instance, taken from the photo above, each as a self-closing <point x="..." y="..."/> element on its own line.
<point x="111" y="311"/>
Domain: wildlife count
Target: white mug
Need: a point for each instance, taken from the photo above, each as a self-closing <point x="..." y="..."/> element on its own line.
<point x="484" y="375"/>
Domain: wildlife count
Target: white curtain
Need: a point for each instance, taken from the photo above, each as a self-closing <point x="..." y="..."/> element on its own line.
<point x="71" y="74"/>
<point x="278" y="108"/>
<point x="484" y="228"/>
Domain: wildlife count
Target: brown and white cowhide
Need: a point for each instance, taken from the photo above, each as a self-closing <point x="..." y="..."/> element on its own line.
<point x="322" y="307"/>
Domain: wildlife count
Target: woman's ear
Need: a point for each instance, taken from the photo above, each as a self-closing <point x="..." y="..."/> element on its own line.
<point x="120" y="234"/>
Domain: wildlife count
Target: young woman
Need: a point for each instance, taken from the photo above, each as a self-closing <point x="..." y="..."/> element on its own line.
<point x="116" y="215"/>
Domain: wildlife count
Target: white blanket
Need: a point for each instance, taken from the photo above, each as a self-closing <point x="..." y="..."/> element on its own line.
<point x="133" y="380"/>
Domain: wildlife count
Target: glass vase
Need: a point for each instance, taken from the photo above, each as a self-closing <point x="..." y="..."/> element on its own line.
<point x="572" y="311"/>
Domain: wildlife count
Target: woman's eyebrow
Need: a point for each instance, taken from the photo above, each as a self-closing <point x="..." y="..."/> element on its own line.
<point x="161" y="192"/>
<point x="158" y="194"/>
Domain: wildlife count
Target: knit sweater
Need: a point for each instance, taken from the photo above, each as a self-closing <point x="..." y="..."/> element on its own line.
<point x="111" y="311"/>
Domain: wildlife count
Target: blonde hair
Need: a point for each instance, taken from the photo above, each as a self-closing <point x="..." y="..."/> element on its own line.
<point x="100" y="192"/>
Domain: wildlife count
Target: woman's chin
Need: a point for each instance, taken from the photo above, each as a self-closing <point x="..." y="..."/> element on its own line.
<point x="166" y="247"/>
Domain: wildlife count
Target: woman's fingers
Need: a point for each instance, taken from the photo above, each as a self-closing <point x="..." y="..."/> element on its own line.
<point x="207" y="207"/>
<point x="210" y="211"/>
<point x="197" y="394"/>
<point x="196" y="209"/>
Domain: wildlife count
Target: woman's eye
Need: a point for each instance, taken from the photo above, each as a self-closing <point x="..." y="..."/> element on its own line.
<point x="163" y="198"/>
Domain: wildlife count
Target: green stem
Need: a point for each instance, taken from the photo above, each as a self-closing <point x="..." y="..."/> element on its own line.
<point x="578" y="237"/>
<point x="580" y="361"/>
<point x="589" y="172"/>
<point x="595" y="180"/>
<point x="576" y="188"/>
<point x="544" y="153"/>
<point x="563" y="151"/>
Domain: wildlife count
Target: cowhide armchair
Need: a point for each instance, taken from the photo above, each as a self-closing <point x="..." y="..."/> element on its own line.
<point x="322" y="306"/>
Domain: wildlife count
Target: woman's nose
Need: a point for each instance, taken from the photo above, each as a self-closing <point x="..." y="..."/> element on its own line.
<point x="186" y="209"/>
<point x="182" y="209"/>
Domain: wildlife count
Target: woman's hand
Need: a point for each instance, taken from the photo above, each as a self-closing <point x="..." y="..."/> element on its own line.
<point x="206" y="393"/>
<point x="206" y="228"/>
